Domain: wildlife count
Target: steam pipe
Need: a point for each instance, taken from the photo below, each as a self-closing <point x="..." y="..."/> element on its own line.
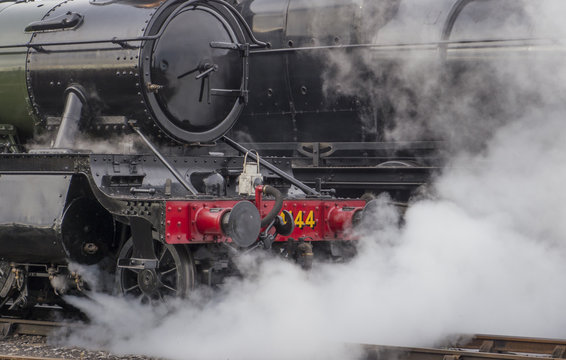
<point x="270" y="190"/>
<point x="271" y="167"/>
<point x="71" y="118"/>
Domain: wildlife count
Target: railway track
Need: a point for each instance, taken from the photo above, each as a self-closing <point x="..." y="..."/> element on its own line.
<point x="16" y="326"/>
<point x="505" y="344"/>
<point x="27" y="340"/>
<point x="15" y="357"/>
<point x="476" y="347"/>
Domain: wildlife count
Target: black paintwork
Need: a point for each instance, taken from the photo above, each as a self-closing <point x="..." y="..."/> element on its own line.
<point x="170" y="81"/>
<point x="188" y="71"/>
<point x="30" y="215"/>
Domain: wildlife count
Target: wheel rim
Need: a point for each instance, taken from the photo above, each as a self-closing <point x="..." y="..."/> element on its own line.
<point x="174" y="277"/>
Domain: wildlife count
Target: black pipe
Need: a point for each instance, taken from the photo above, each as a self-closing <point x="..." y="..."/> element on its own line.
<point x="187" y="185"/>
<point x="270" y="190"/>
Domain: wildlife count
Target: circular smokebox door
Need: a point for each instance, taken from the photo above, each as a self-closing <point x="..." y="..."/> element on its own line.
<point x="188" y="82"/>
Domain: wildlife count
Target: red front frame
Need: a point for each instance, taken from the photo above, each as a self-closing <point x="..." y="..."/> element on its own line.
<point x="315" y="220"/>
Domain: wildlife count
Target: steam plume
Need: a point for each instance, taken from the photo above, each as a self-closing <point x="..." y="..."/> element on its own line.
<point x="483" y="254"/>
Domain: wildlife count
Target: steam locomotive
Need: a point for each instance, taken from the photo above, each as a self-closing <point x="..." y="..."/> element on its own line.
<point x="162" y="138"/>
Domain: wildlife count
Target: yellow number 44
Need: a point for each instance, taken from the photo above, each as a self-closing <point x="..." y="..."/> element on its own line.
<point x="310" y="222"/>
<point x="299" y="222"/>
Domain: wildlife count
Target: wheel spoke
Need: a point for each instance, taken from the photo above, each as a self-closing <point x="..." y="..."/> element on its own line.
<point x="169" y="287"/>
<point x="163" y="252"/>
<point x="168" y="271"/>
<point x="131" y="288"/>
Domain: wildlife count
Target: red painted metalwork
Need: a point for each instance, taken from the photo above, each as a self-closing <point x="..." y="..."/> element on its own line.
<point x="340" y="219"/>
<point x="193" y="222"/>
<point x="209" y="220"/>
<point x="258" y="198"/>
<point x="320" y="220"/>
<point x="188" y="222"/>
<point x="177" y="222"/>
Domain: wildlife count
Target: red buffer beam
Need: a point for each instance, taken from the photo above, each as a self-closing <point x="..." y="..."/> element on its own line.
<point x="194" y="222"/>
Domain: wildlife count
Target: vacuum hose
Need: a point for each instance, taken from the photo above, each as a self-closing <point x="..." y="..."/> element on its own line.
<point x="270" y="190"/>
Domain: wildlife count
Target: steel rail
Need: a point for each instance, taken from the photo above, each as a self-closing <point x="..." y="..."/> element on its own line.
<point x="11" y="326"/>
<point x="556" y="348"/>
<point x="473" y="347"/>
<point x="376" y="352"/>
<point x="23" y="357"/>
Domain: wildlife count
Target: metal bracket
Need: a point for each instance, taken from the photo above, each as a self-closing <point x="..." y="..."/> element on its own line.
<point x="451" y="357"/>
<point x="138" y="264"/>
<point x="487" y="346"/>
<point x="6" y="329"/>
<point x="143" y="255"/>
<point x="10" y="134"/>
<point x="316" y="151"/>
<point x="559" y="352"/>
<point x="123" y="44"/>
<point x="150" y="191"/>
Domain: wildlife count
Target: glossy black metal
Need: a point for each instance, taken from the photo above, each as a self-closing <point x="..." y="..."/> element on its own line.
<point x="107" y="72"/>
<point x="136" y="71"/>
<point x="242" y="224"/>
<point x="70" y="20"/>
<point x="30" y="217"/>
<point x="288" y="80"/>
<point x="87" y="231"/>
<point x="174" y="172"/>
<point x="143" y="249"/>
<point x="184" y="106"/>
<point x="70" y="119"/>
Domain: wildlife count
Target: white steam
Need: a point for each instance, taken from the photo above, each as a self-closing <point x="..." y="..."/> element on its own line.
<point x="485" y="254"/>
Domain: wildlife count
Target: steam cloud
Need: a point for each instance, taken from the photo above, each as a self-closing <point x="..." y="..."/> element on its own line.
<point x="484" y="252"/>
